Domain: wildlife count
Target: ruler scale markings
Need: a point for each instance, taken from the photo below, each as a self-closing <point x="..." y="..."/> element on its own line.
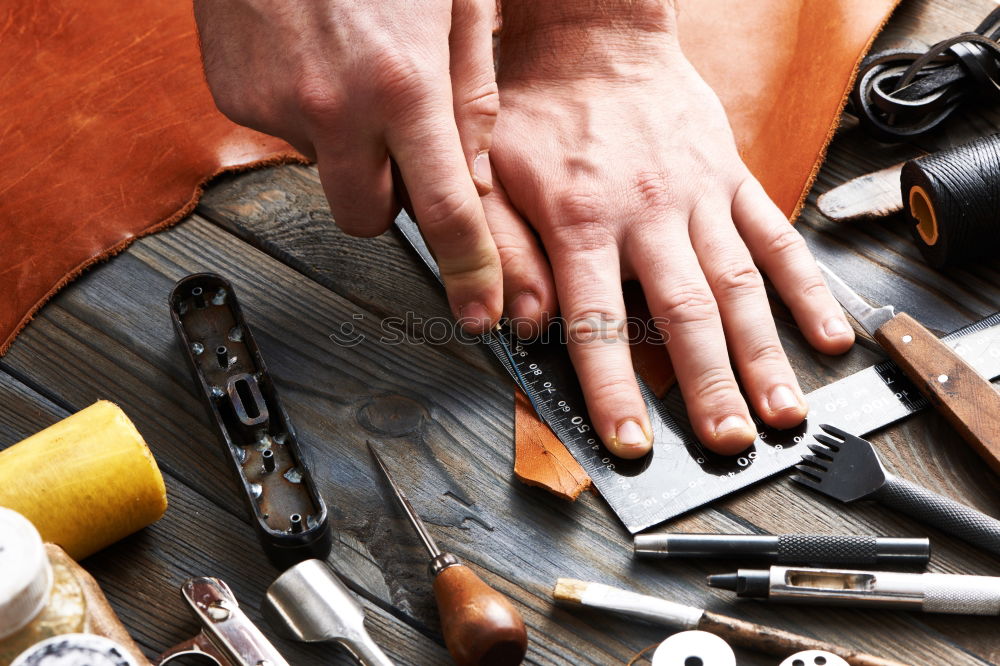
<point x="681" y="475"/>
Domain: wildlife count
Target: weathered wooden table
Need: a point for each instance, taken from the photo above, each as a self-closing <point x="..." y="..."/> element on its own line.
<point x="445" y="413"/>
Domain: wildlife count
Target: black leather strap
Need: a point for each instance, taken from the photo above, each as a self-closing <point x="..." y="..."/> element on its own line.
<point x="901" y="94"/>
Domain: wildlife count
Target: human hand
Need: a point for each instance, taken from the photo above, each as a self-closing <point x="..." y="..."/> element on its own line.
<point x="350" y="85"/>
<point x="621" y="158"/>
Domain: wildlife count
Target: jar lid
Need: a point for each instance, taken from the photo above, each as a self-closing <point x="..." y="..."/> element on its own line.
<point x="27" y="575"/>
<point x="75" y="650"/>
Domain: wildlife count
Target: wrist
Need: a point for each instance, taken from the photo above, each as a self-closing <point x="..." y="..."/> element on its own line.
<point x="583" y="38"/>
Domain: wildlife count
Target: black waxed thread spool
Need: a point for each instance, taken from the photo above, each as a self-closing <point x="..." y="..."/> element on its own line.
<point x="953" y="199"/>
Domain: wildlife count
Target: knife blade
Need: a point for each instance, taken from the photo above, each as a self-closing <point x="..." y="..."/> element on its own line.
<point x="964" y="397"/>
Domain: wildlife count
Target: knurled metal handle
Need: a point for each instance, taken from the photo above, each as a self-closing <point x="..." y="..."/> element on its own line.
<point x="827" y="548"/>
<point x="945" y="514"/>
<point x="963" y="595"/>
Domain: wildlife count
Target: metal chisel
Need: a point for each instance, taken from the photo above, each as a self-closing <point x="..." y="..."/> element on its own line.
<point x="966" y="399"/>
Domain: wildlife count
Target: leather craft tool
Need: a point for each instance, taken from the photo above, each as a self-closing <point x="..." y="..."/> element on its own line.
<point x="899" y="95"/>
<point x="736" y="632"/>
<point x="680" y="474"/>
<point x="252" y="426"/>
<point x="967" y="400"/>
<point x="927" y="592"/>
<point x="227" y="636"/>
<point x="479" y="624"/>
<point x="693" y="647"/>
<point x="847" y="468"/>
<point x="949" y="198"/>
<point x="816" y="549"/>
<point x="309" y="603"/>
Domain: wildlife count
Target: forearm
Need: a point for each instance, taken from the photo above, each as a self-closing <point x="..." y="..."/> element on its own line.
<point x="544" y="38"/>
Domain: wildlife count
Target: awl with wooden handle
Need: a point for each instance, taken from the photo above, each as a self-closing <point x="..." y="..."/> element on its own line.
<point x="481" y="627"/>
<point x="967" y="399"/>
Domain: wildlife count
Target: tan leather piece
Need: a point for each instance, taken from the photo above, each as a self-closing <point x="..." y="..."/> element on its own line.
<point x="107" y="132"/>
<point x="783" y="70"/>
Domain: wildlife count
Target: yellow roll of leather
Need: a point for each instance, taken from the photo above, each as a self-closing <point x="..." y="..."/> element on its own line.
<point x="84" y="482"/>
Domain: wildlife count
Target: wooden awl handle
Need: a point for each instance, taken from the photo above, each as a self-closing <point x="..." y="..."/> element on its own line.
<point x="967" y="399"/>
<point x="481" y="627"/>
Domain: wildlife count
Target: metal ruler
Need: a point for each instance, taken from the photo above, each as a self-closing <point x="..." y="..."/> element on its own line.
<point x="680" y="474"/>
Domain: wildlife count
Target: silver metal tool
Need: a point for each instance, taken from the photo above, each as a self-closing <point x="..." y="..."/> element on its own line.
<point x="847" y="468"/>
<point x="228" y="637"/>
<point x="814" y="549"/>
<point x="929" y="592"/>
<point x="309" y="603"/>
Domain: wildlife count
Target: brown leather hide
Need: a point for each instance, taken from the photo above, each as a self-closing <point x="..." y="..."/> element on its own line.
<point x="107" y="131"/>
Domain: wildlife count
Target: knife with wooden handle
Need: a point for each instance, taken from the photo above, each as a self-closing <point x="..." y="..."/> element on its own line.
<point x="967" y="399"/>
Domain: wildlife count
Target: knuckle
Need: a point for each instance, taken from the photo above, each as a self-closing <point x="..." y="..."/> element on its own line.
<point x="738" y="279"/>
<point x="449" y="212"/>
<point x="595" y="325"/>
<point x="316" y="99"/>
<point x="689" y="304"/>
<point x="767" y="351"/>
<point x="579" y="209"/>
<point x="653" y="191"/>
<point x="400" y="77"/>
<point x="813" y="286"/>
<point x="482" y="103"/>
<point x="713" y="384"/>
<point x="784" y="239"/>
<point x="611" y="388"/>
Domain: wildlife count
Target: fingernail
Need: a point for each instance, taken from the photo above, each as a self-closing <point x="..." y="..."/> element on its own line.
<point x="630" y="439"/>
<point x="731" y="425"/>
<point x="782" y="398"/>
<point x="474" y="316"/>
<point x="834" y="327"/>
<point x="523" y="312"/>
<point x="482" y="173"/>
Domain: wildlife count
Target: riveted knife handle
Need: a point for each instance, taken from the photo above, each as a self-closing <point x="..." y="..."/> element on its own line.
<point x="967" y="399"/>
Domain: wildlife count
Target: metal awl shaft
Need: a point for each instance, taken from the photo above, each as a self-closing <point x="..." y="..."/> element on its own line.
<point x="418" y="525"/>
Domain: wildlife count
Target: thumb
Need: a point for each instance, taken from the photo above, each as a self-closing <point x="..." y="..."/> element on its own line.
<point x="474" y="86"/>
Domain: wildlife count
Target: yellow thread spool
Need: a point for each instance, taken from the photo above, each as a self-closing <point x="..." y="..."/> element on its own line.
<point x="84" y="482"/>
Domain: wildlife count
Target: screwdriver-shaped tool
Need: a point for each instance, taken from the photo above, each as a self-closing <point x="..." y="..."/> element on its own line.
<point x="966" y="399"/>
<point x="481" y="627"/>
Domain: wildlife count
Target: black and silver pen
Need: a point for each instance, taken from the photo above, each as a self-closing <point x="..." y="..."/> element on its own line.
<point x="815" y="549"/>
<point x="929" y="592"/>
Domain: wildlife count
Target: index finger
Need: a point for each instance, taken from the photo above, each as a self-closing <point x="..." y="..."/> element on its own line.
<point x="450" y="215"/>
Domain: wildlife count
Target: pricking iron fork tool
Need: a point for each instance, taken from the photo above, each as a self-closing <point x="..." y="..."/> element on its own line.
<point x="309" y="603"/>
<point x="963" y="396"/>
<point x="228" y="637"/>
<point x="847" y="468"/>
<point x="242" y="404"/>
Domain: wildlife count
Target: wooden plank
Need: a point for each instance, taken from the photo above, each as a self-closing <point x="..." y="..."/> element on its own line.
<point x="446" y="428"/>
<point x="142" y="574"/>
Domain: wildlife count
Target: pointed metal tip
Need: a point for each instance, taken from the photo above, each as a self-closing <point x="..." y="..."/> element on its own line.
<point x="822" y="450"/>
<point x="834" y="430"/>
<point x="829" y="442"/>
<point x="810" y="475"/>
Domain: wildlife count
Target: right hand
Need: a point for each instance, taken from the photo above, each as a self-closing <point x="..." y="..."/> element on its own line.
<point x="351" y="85"/>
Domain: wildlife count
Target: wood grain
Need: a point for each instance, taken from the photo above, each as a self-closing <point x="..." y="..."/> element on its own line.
<point x="443" y="409"/>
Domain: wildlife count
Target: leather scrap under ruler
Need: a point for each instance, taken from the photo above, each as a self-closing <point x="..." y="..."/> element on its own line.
<point x="680" y="474"/>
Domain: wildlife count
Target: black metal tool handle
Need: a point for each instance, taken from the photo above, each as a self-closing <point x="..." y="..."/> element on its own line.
<point x="945" y="514"/>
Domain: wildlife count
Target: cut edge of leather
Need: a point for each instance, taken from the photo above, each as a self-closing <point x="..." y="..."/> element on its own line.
<point x="810" y="179"/>
<point x="274" y="159"/>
